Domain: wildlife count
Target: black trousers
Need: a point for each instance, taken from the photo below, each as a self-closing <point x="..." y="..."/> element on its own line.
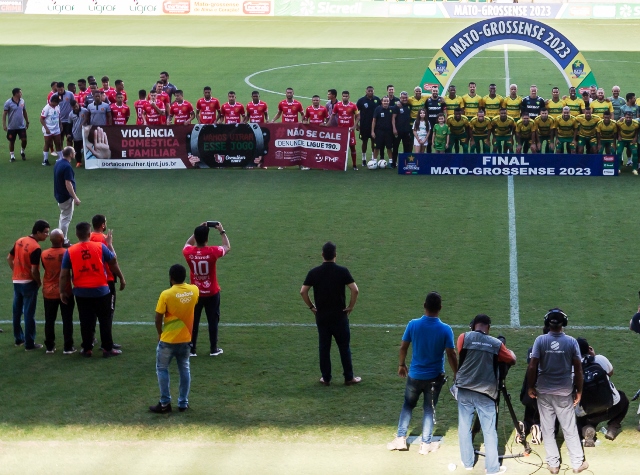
<point x="211" y="306"/>
<point x="337" y="328"/>
<point x="50" y="315"/>
<point x="614" y="415"/>
<point x="91" y="309"/>
<point x="406" y="138"/>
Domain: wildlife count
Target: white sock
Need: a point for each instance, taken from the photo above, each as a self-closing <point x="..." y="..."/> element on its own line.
<point x="46" y="156"/>
<point x="13" y="155"/>
<point x="364" y="156"/>
<point x="21" y="150"/>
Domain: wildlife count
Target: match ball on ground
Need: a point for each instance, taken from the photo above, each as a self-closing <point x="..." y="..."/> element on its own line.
<point x="382" y="164"/>
<point x="452" y="467"/>
<point x="372" y="164"/>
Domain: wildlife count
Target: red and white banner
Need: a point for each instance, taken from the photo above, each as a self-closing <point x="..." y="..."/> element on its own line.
<point x="215" y="146"/>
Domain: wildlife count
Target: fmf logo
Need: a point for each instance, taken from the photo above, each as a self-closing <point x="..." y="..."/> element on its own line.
<point x="256" y="8"/>
<point x="176" y="7"/>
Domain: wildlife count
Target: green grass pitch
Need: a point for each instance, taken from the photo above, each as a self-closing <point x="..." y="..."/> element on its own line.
<point x="258" y="408"/>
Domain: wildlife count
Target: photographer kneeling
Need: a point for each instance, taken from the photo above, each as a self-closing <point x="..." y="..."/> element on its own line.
<point x="477" y="382"/>
<point x="601" y="401"/>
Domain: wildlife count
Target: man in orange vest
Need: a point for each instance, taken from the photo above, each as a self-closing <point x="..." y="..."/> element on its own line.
<point x="24" y="260"/>
<point x="87" y="260"/>
<point x="52" y="263"/>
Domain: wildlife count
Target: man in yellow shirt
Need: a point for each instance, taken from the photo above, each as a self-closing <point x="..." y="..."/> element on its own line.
<point x="416" y="103"/>
<point x="587" y="137"/>
<point x="459" y="127"/>
<point x="566" y="132"/>
<point x="175" y="310"/>
<point x="555" y="104"/>
<point x="472" y="102"/>
<point x="492" y="102"/>
<point x="480" y="128"/>
<point x="628" y="139"/>
<point x="601" y="104"/>
<point x="524" y="135"/>
<point x="453" y="102"/>
<point x="544" y="129"/>
<point x="512" y="102"/>
<point x="607" y="132"/>
<point x="576" y="104"/>
<point x="503" y="128"/>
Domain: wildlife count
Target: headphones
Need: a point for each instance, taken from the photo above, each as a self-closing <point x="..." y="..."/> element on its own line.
<point x="482" y="318"/>
<point x="557" y="316"/>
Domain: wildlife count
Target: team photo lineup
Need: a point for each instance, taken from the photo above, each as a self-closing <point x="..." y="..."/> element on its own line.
<point x="378" y="263"/>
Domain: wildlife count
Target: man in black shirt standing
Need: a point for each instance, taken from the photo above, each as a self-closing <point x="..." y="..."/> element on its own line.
<point x="366" y="106"/>
<point x="332" y="314"/>
<point x="382" y="128"/>
<point x="532" y="104"/>
<point x="435" y="106"/>
<point x="402" y="130"/>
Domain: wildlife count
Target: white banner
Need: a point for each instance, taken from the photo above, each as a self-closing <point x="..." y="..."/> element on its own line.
<point x="150" y="7"/>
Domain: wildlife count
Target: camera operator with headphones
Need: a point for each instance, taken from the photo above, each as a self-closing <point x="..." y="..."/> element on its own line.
<point x="477" y="382"/>
<point x="550" y="381"/>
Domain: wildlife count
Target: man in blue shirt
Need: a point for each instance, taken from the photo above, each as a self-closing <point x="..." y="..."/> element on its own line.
<point x="64" y="190"/>
<point x="431" y="338"/>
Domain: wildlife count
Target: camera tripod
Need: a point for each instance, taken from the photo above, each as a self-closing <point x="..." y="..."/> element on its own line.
<point x="507" y="399"/>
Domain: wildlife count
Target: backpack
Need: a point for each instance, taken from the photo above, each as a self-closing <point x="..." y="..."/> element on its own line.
<point x="597" y="395"/>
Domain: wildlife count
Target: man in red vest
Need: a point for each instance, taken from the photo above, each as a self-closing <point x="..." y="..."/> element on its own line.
<point x="86" y="261"/>
<point x="24" y="260"/>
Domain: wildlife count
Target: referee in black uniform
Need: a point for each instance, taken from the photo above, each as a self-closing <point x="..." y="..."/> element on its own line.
<point x="366" y="106"/>
<point x="402" y="130"/>
<point x="434" y="105"/>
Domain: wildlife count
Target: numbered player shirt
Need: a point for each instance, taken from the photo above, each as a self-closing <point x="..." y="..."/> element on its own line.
<point x="51" y="116"/>
<point x="480" y="128"/>
<point x="587" y="127"/>
<point x="181" y="112"/>
<point x="316" y="116"/>
<point x="628" y="131"/>
<point x="576" y="105"/>
<point x="202" y="266"/>
<point x="232" y="113"/>
<point x="555" y="108"/>
<point x="453" y="104"/>
<point x="524" y="130"/>
<point x="140" y="106"/>
<point x="153" y="116"/>
<point x="607" y="131"/>
<point x="565" y="128"/>
<point x="543" y="127"/>
<point x="492" y="105"/>
<point x="110" y="94"/>
<point x="503" y="128"/>
<point x="120" y="114"/>
<point x="471" y="105"/>
<point x="346" y="113"/>
<point x="458" y="127"/>
<point x="513" y="106"/>
<point x="207" y="110"/>
<point x="290" y="110"/>
<point x="257" y="111"/>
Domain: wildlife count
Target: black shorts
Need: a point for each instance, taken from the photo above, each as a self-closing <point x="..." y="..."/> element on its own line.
<point x="13" y="134"/>
<point x="66" y="130"/>
<point x="384" y="139"/>
<point x="365" y="134"/>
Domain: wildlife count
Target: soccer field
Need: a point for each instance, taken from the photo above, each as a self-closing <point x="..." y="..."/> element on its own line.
<point x="258" y="408"/>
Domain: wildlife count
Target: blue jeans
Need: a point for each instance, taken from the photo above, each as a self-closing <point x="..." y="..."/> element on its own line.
<point x="24" y="302"/>
<point x="164" y="354"/>
<point x="412" y="392"/>
<point x="468" y="403"/>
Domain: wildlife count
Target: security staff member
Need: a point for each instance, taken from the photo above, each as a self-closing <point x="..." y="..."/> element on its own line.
<point x="401" y="123"/>
<point x="477" y="382"/>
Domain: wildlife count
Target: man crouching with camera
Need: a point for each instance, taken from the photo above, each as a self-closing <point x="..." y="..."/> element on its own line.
<point x="477" y="382"/>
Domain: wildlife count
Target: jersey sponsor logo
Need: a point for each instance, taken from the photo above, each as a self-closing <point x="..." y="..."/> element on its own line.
<point x="256" y="8"/>
<point x="176" y="7"/>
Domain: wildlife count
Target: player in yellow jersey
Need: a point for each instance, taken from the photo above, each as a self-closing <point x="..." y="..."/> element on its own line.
<point x="503" y="127"/>
<point x="566" y="128"/>
<point x="628" y="139"/>
<point x="524" y="134"/>
<point x="587" y="134"/>
<point x="459" y="127"/>
<point x="544" y="131"/>
<point x="452" y="102"/>
<point x="492" y="103"/>
<point x="607" y="132"/>
<point x="480" y="128"/>
<point x="601" y="104"/>
<point x="555" y="104"/>
<point x="472" y="102"/>
<point x="416" y="103"/>
<point x="575" y="103"/>
<point x="512" y="102"/>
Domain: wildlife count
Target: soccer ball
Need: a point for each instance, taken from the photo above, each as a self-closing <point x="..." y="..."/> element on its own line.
<point x="382" y="164"/>
<point x="372" y="164"/>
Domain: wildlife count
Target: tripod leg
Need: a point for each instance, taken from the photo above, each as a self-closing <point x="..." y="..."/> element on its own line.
<point x="514" y="418"/>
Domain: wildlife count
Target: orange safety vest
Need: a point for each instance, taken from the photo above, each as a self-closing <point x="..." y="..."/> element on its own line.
<point x="87" y="265"/>
<point x="99" y="237"/>
<point x="52" y="263"/>
<point x="22" y="258"/>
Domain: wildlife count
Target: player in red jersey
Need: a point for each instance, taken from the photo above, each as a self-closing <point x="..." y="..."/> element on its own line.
<point x="231" y="112"/>
<point x="120" y="88"/>
<point x="162" y="98"/>
<point x="181" y="110"/>
<point x="289" y="108"/>
<point x="109" y="92"/>
<point x="120" y="111"/>
<point x="54" y="90"/>
<point x="347" y="114"/>
<point x="140" y="105"/>
<point x="154" y="111"/>
<point x="207" y="107"/>
<point x="82" y="93"/>
<point x="315" y="113"/>
<point x="257" y="112"/>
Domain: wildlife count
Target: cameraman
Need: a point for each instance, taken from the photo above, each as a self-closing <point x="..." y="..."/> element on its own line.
<point x="477" y="382"/>
<point x="588" y="423"/>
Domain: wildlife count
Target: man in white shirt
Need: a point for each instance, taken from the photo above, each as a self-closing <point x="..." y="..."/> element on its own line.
<point x="50" y="120"/>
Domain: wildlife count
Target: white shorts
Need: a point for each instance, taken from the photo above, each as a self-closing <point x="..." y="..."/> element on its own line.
<point x="418" y="144"/>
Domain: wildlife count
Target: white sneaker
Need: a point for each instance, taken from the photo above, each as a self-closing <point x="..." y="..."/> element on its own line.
<point x="629" y="163"/>
<point x="305" y="168"/>
<point x="399" y="443"/>
<point x="217" y="352"/>
<point x="502" y="470"/>
<point x="426" y="448"/>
